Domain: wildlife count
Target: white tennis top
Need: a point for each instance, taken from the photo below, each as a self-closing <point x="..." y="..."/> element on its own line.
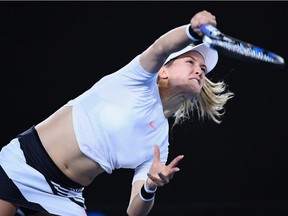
<point x="119" y="120"/>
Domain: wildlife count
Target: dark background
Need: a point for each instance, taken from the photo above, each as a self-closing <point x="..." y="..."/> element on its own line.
<point x="50" y="52"/>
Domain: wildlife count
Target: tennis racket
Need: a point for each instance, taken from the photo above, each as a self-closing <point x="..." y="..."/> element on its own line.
<point x="238" y="49"/>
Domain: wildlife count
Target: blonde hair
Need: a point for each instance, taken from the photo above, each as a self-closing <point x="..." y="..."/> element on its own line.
<point x="210" y="103"/>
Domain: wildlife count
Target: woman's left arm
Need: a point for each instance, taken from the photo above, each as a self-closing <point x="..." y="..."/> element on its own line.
<point x="142" y="196"/>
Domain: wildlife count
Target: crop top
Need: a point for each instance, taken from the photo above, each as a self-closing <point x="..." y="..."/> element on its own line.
<point x="120" y="118"/>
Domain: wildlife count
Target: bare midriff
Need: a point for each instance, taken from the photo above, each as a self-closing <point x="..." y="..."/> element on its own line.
<point x="58" y="138"/>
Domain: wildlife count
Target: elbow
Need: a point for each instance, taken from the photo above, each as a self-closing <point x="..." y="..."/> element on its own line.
<point x="129" y="211"/>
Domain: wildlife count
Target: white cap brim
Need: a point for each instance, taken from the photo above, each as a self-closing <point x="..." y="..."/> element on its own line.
<point x="210" y="55"/>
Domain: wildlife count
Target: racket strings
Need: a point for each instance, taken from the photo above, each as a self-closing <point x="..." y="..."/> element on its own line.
<point x="245" y="50"/>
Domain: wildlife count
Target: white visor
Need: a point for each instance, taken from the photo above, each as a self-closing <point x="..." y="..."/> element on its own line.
<point x="210" y="55"/>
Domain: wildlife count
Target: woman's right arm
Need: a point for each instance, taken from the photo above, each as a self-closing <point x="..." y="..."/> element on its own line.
<point x="153" y="58"/>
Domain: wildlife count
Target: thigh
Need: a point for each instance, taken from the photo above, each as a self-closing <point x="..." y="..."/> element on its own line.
<point x="7" y="208"/>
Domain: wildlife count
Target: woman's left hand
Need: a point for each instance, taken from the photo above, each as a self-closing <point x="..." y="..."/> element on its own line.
<point x="159" y="173"/>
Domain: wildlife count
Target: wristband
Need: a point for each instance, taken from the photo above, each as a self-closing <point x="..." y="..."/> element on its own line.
<point x="191" y="33"/>
<point x="147" y="195"/>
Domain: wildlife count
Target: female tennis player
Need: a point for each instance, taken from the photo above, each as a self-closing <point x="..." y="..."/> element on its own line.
<point x="120" y="122"/>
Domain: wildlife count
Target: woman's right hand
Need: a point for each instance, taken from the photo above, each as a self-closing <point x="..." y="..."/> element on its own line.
<point x="200" y="18"/>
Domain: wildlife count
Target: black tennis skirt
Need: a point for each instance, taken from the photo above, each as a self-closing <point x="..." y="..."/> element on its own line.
<point x="31" y="180"/>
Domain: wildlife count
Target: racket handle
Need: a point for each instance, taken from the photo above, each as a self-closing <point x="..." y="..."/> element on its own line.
<point x="209" y="30"/>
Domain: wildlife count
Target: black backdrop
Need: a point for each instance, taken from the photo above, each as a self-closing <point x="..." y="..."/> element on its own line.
<point x="53" y="51"/>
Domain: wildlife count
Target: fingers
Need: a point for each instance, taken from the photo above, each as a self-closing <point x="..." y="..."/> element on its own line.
<point x="154" y="179"/>
<point x="203" y="17"/>
<point x="159" y="180"/>
<point x="172" y="169"/>
<point x="156" y="153"/>
<point x="175" y="161"/>
<point x="165" y="173"/>
<point x="157" y="157"/>
<point x="163" y="179"/>
<point x="160" y="173"/>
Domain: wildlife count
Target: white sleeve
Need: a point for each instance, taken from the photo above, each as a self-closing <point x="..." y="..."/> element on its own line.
<point x="141" y="172"/>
